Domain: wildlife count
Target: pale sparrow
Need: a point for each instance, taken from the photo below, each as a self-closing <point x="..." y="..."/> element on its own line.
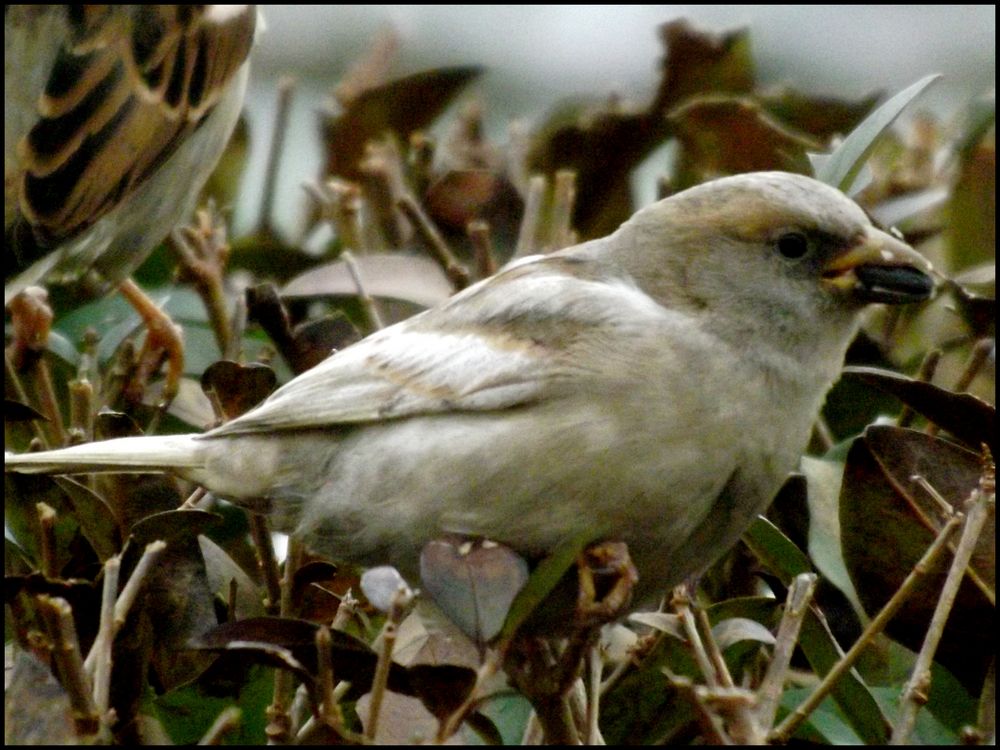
<point x="654" y="387"/>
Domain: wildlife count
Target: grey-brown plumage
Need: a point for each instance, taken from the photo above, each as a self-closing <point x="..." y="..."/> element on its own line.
<point x="114" y="116"/>
<point x="654" y="386"/>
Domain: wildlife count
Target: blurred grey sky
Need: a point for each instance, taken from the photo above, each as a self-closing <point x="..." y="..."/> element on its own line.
<point x="536" y="55"/>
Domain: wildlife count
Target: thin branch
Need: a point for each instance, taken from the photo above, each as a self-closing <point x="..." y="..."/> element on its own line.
<point x="105" y="637"/>
<point x="479" y="235"/>
<point x="925" y="374"/>
<point x="286" y="90"/>
<point x="368" y="304"/>
<point x="434" y="242"/>
<point x="58" y="619"/>
<point x="800" y="593"/>
<point x="527" y="236"/>
<point x="401" y="600"/>
<point x="563" y="201"/>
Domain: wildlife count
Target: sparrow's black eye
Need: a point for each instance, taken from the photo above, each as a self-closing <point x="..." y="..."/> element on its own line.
<point x="793" y="245"/>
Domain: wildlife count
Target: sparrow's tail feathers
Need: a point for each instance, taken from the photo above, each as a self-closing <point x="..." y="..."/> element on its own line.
<point x="122" y="455"/>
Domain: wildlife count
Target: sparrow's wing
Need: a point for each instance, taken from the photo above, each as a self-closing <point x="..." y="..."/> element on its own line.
<point x="508" y="341"/>
<point x="128" y="85"/>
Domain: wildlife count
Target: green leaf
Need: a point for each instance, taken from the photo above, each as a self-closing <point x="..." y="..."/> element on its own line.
<point x="850" y="693"/>
<point x="842" y="166"/>
<point x="541" y="583"/>
<point x="786" y="561"/>
<point x="187" y="712"/>
<point x="778" y="553"/>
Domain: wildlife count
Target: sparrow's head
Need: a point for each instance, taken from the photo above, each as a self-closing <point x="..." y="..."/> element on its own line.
<point x="772" y="245"/>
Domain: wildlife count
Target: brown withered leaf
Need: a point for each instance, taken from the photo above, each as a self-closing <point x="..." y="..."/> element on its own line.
<point x="399" y="107"/>
<point x="305" y="345"/>
<point x="442" y="688"/>
<point x="697" y="62"/>
<point x="461" y="196"/>
<point x="604" y="143"/>
<point x="888" y="521"/>
<point x="603" y="147"/>
<point x="237" y="388"/>
<point x="819" y="116"/>
<point x="722" y="135"/>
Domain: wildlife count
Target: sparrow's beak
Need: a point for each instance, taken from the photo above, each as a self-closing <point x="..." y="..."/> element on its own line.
<point x="880" y="268"/>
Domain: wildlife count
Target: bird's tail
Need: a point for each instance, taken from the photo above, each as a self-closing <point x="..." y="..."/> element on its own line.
<point x="122" y="455"/>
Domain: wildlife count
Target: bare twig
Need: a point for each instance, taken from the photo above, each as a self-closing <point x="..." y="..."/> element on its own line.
<point x="563" y="201"/>
<point x="980" y="353"/>
<point x="100" y="651"/>
<point x="58" y="619"/>
<point x="745" y="728"/>
<point x="381" y="172"/>
<point x="81" y="407"/>
<point x="286" y="90"/>
<point x="401" y="600"/>
<point x="202" y="251"/>
<point x="260" y="531"/>
<point x="105" y="636"/>
<point x="31" y="324"/>
<point x="479" y="235"/>
<point x="925" y="374"/>
<point x="527" y="236"/>
<point x="434" y="242"/>
<point x="226" y="722"/>
<point x="127" y="597"/>
<point x="368" y="304"/>
<point x="328" y="708"/>
<point x="796" y="605"/>
<point x="595" y="665"/>
<point x="47" y="539"/>
<point x="279" y="727"/>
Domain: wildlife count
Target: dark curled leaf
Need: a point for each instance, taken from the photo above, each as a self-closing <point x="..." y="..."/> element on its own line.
<point x="353" y="660"/>
<point x="173" y="524"/>
<point x="97" y="522"/>
<point x="442" y="688"/>
<point x="15" y="411"/>
<point x="115" y="424"/>
<point x="965" y="416"/>
<point x="888" y="519"/>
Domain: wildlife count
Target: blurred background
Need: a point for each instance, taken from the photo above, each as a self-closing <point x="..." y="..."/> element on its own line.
<point x="536" y="56"/>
